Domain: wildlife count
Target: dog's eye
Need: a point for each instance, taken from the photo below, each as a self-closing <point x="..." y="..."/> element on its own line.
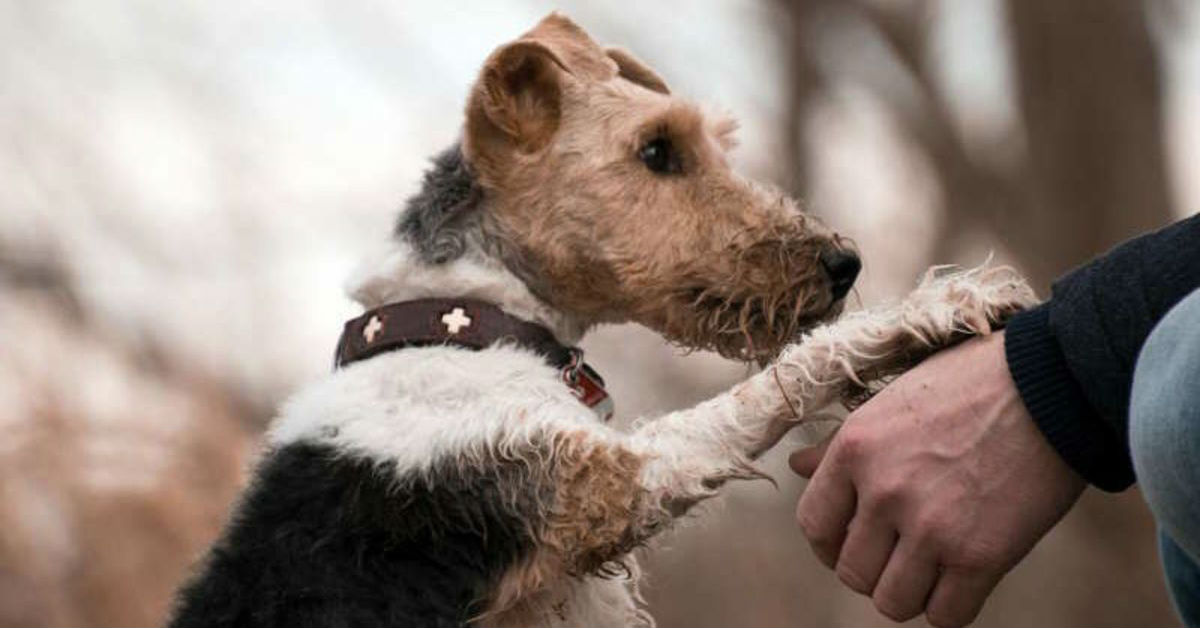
<point x="659" y="156"/>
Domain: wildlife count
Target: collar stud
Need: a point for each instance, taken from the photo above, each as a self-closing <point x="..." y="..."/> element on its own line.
<point x="455" y="320"/>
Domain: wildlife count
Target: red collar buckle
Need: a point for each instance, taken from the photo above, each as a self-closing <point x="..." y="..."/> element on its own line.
<point x="587" y="386"/>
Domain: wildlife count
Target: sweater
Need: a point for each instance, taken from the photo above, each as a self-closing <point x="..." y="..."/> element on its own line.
<point x="1072" y="358"/>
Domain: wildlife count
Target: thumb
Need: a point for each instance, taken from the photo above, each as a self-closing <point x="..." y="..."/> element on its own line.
<point x="805" y="461"/>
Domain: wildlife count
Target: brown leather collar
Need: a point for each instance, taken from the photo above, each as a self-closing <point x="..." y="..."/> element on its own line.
<point x="467" y="323"/>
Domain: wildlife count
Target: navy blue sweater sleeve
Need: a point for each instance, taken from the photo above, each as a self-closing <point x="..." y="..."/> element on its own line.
<point x="1072" y="358"/>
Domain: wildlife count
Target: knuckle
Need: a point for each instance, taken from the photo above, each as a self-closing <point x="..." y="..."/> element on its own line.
<point x="821" y="540"/>
<point x="984" y="563"/>
<point x="959" y="611"/>
<point x="852" y="445"/>
<point x="889" y="494"/>
<point x="808" y="527"/>
<point x="894" y="609"/>
<point x="930" y="529"/>
<point x="852" y="579"/>
<point x="981" y="561"/>
<point x="826" y="554"/>
<point x="942" y="618"/>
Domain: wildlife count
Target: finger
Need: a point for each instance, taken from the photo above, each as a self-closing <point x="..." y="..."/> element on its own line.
<point x="869" y="544"/>
<point x="906" y="583"/>
<point x="958" y="597"/>
<point x="805" y="461"/>
<point x="824" y="511"/>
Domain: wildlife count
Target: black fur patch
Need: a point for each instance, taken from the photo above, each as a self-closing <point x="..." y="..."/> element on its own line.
<point x="438" y="219"/>
<point x="448" y="218"/>
<point x="325" y="539"/>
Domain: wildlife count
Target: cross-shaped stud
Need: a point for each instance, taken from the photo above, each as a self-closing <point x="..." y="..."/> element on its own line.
<point x="455" y="320"/>
<point x="374" y="326"/>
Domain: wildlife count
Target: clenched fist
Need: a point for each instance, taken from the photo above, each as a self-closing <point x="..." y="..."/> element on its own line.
<point x="935" y="488"/>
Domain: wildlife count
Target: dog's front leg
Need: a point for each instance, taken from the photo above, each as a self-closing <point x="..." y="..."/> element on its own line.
<point x="614" y="493"/>
<point x="692" y="452"/>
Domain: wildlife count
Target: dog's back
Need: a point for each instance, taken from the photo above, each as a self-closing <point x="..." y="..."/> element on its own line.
<point x="323" y="538"/>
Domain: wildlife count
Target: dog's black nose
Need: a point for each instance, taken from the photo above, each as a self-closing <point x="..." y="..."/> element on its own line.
<point x="842" y="266"/>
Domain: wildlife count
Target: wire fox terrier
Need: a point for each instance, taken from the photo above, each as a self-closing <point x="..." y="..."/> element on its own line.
<point x="453" y="469"/>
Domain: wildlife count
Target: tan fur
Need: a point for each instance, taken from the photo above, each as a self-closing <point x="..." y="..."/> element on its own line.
<point x="633" y="70"/>
<point x="583" y="56"/>
<point x="517" y="100"/>
<point x="707" y="258"/>
<point x="518" y="587"/>
<point x="598" y="513"/>
<point x="599" y="506"/>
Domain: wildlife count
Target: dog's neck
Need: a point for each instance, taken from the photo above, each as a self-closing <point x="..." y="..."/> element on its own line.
<point x="442" y="248"/>
<point x="399" y="274"/>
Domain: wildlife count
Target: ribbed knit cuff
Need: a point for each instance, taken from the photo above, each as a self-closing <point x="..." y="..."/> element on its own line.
<point x="1057" y="404"/>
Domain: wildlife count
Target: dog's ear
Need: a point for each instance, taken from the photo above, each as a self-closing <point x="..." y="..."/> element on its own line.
<point x="633" y="70"/>
<point x="522" y="92"/>
<point x="516" y="103"/>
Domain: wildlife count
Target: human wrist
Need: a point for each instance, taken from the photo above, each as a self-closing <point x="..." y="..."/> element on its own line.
<point x="1057" y="405"/>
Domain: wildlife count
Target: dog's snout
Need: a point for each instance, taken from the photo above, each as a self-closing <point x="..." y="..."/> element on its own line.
<point x="842" y="266"/>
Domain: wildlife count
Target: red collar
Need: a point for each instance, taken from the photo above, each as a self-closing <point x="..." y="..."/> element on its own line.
<point x="472" y="324"/>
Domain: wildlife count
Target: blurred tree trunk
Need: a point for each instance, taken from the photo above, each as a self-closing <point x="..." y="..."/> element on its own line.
<point x="1092" y="172"/>
<point x="1091" y="97"/>
<point x="1090" y="94"/>
<point x="806" y="83"/>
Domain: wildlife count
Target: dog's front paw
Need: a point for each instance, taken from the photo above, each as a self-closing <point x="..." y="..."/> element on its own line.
<point x="975" y="302"/>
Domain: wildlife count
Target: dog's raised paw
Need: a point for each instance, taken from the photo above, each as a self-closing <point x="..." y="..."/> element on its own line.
<point x="970" y="302"/>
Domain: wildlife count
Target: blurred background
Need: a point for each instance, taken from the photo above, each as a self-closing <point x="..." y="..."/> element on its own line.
<point x="185" y="185"/>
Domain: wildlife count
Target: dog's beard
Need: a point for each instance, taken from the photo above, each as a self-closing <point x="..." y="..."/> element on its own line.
<point x="748" y="326"/>
<point x="772" y="292"/>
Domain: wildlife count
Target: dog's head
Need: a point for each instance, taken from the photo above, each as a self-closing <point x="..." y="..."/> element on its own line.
<point x="614" y="201"/>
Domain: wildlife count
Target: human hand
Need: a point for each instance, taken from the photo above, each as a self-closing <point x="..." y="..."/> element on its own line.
<point x="935" y="488"/>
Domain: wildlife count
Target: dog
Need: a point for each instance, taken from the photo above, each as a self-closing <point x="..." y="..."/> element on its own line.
<point x="456" y="468"/>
